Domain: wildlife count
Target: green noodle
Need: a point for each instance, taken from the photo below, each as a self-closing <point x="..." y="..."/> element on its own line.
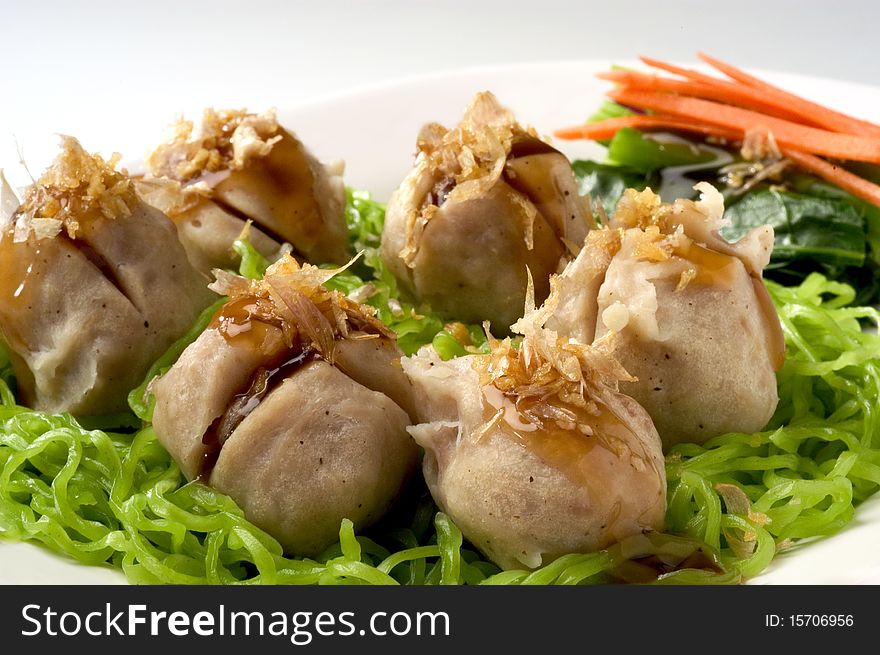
<point x="112" y="498"/>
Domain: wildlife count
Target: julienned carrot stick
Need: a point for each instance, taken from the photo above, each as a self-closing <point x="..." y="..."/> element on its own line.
<point x="602" y="130"/>
<point x="736" y="94"/>
<point x="786" y="133"/>
<point x="809" y="112"/>
<point x="688" y="73"/>
<point x="822" y="115"/>
<point x="857" y="186"/>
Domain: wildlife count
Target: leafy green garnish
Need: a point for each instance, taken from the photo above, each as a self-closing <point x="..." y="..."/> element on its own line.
<point x="606" y="183"/>
<point x="253" y="265"/>
<point x="809" y="185"/>
<point x="829" y="233"/>
<point x="643" y="153"/>
<point x="609" y="109"/>
<point x="819" y="229"/>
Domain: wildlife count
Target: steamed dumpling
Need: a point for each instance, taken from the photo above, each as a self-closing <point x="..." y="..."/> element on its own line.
<point x="94" y="287"/>
<point x="692" y="319"/>
<point x="293" y="403"/>
<point x="533" y="453"/>
<point x="485" y="202"/>
<point x="247" y="167"/>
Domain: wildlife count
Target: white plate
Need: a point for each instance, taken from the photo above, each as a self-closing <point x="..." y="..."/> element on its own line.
<point x="373" y="129"/>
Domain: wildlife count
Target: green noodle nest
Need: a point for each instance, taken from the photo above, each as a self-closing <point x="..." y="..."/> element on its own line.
<point x="114" y="498"/>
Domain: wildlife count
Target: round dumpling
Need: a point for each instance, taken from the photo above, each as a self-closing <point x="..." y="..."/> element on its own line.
<point x="293" y="403"/>
<point x="691" y="317"/>
<point x="486" y="203"/>
<point x="95" y="286"/>
<point x="246" y="167"/>
<point x="532" y="451"/>
<point x="343" y="453"/>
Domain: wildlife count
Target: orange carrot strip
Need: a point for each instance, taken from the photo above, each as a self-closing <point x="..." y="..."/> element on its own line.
<point x="822" y="115"/>
<point x="786" y="133"/>
<point x="736" y="94"/>
<point x="837" y="175"/>
<point x="688" y="73"/>
<point x="602" y="130"/>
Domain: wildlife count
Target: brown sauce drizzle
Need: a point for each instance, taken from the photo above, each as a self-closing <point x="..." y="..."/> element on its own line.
<point x="24" y="263"/>
<point x="21" y="270"/>
<point x="712" y="268"/>
<point x="263" y="382"/>
<point x="286" y="182"/>
<point x="565" y="447"/>
<point x="240" y="323"/>
<point x="641" y="558"/>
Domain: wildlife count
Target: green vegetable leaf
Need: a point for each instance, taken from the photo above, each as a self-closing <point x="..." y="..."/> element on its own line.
<point x="7" y="376"/>
<point x="606" y="182"/>
<point x="253" y="265"/>
<point x="828" y="232"/>
<point x="609" y="109"/>
<point x="815" y="187"/>
<point x="643" y="153"/>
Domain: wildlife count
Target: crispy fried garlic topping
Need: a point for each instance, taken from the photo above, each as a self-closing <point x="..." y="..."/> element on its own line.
<point x="470" y="158"/>
<point x="293" y="298"/>
<point x="687" y="228"/>
<point x="227" y="140"/>
<point x="549" y="378"/>
<point x="76" y="187"/>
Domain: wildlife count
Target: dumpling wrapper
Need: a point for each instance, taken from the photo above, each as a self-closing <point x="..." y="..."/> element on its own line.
<point x="324" y="439"/>
<point x="535" y="455"/>
<point x="692" y="319"/>
<point x="485" y="202"/>
<point x="247" y="167"/>
<point x="95" y="287"/>
<point x="343" y="453"/>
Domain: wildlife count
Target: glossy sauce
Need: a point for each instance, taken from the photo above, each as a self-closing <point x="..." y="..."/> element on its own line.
<point x="563" y="448"/>
<point x="712" y="268"/>
<point x="22" y="268"/>
<point x="264" y="381"/>
<point x="283" y="184"/>
<point x="27" y="264"/>
<point x="239" y="323"/>
<point x="17" y="262"/>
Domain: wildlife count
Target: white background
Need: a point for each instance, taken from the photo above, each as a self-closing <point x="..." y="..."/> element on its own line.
<point x="115" y="74"/>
